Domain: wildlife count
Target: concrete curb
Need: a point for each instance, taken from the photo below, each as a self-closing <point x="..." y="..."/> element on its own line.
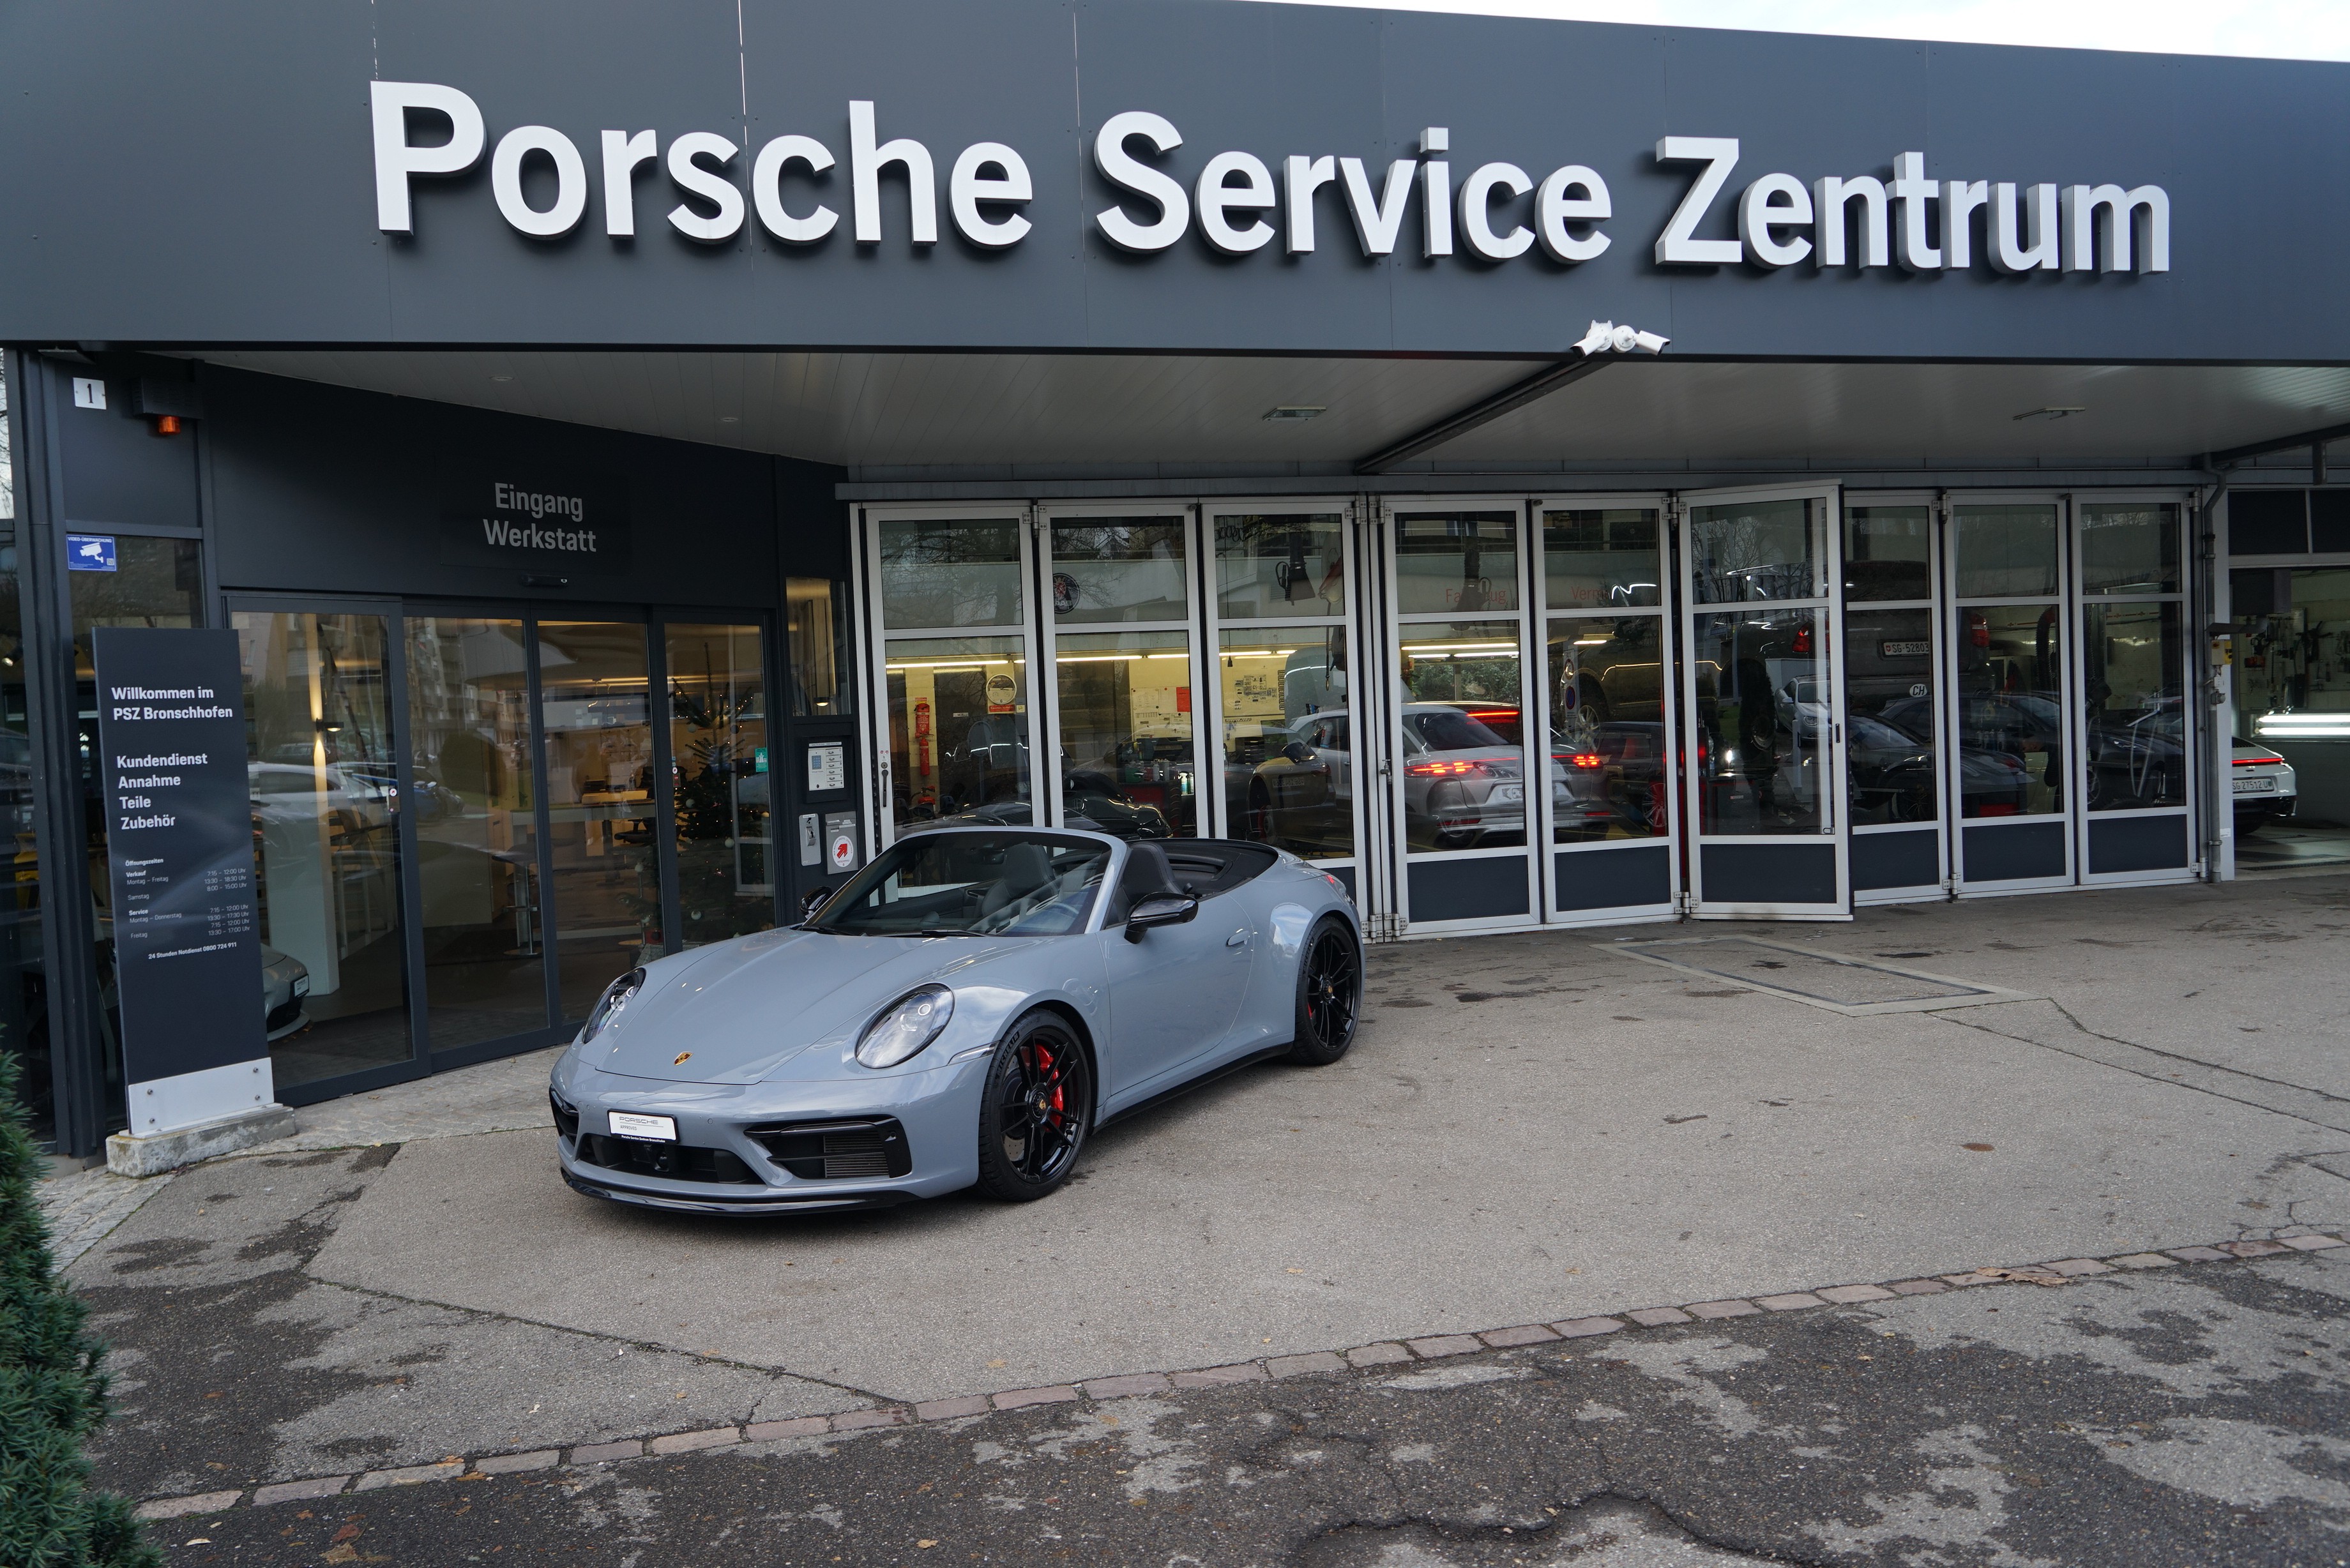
<point x="1099" y="1390"/>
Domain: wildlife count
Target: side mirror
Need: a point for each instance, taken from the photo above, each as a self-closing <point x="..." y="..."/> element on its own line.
<point x="817" y="898"/>
<point x="1160" y="909"/>
<point x="1299" y="752"/>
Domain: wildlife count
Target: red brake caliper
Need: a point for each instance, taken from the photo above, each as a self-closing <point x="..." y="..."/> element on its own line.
<point x="1044" y="1069"/>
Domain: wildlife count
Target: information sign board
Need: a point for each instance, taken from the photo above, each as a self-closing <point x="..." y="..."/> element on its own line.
<point x="179" y="836"/>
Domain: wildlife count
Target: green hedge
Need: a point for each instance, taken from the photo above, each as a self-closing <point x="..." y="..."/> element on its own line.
<point x="52" y="1390"/>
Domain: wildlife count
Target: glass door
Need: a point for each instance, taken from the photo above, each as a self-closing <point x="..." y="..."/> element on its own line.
<point x="1762" y="694"/>
<point x="2134" y="769"/>
<point x="722" y="795"/>
<point x="1893" y="724"/>
<point x="2008" y="683"/>
<point x="322" y="767"/>
<point x="951" y="642"/>
<point x="1281" y="702"/>
<point x="603" y="870"/>
<point x="481" y="908"/>
<point x="1118" y="643"/>
<point x="1606" y="707"/>
<point x="1459" y="728"/>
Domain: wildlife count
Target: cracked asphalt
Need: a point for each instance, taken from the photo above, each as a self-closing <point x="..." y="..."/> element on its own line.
<point x="1530" y="1128"/>
<point x="2192" y="1416"/>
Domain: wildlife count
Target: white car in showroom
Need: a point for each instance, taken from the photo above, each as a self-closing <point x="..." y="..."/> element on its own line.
<point x="2264" y="787"/>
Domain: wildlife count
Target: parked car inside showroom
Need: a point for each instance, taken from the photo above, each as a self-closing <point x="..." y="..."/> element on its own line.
<point x="965" y="1010"/>
<point x="2265" y="786"/>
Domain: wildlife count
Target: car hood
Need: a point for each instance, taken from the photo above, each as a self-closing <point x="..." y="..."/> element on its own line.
<point x="737" y="1012"/>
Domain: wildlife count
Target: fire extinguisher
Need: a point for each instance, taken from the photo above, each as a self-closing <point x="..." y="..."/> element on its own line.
<point x="923" y="739"/>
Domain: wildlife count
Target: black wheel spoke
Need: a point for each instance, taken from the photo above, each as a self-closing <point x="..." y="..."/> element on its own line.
<point x="1041" y="1102"/>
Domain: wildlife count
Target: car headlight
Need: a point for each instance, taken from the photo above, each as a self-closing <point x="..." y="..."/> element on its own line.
<point x="610" y="1005"/>
<point x="905" y="1026"/>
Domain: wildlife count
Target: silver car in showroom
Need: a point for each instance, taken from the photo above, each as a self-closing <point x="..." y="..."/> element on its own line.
<point x="965" y="1010"/>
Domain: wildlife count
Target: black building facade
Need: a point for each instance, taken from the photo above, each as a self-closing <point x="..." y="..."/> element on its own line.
<point x="1548" y="474"/>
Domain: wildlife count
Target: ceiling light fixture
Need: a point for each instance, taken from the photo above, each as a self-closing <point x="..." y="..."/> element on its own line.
<point x="502" y="378"/>
<point x="2052" y="412"/>
<point x="1291" y="411"/>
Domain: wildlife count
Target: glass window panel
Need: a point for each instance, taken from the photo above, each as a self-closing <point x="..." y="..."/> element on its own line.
<point x="1888" y="553"/>
<point x="2130" y="548"/>
<point x="1888" y="699"/>
<point x="1601" y="558"/>
<point x="1126" y="734"/>
<point x="1609" y="761"/>
<point x="2010" y="710"/>
<point x="1750" y="550"/>
<point x="718" y="748"/>
<point x="1465" y="757"/>
<point x="1288" y="740"/>
<point x="156" y="582"/>
<point x="951" y="572"/>
<point x="1284" y="564"/>
<point x="327" y="842"/>
<point x="1763" y="715"/>
<point x="815" y="623"/>
<point x="600" y="812"/>
<point x="2135" y="684"/>
<point x="2004" y="552"/>
<point x="24" y="991"/>
<point x="959" y="729"/>
<point x="1119" y="569"/>
<point x="1463" y="562"/>
<point x="2292" y="664"/>
<point x="470" y="787"/>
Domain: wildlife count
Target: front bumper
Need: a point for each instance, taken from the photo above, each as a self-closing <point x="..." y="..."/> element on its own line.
<point x="937" y="1112"/>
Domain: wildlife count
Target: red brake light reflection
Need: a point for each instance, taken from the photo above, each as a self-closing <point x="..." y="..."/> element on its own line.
<point x="1440" y="770"/>
<point x="1580" y="759"/>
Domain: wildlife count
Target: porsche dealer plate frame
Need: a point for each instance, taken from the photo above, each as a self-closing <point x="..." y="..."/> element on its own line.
<point x="643" y="1129"/>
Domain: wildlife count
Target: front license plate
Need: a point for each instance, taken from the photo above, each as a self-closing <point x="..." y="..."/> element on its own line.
<point x="658" y="1129"/>
<point x="1507" y="795"/>
<point x="2256" y="786"/>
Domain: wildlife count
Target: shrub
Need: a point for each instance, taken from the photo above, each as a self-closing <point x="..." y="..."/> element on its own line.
<point x="52" y="1389"/>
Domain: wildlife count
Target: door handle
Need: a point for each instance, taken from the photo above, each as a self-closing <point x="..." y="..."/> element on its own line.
<point x="1238" y="938"/>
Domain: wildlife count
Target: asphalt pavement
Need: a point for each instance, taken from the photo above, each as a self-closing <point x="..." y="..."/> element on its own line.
<point x="2182" y="1417"/>
<point x="1533" y="1129"/>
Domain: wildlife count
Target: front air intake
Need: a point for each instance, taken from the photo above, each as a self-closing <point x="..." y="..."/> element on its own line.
<point x="837" y="1151"/>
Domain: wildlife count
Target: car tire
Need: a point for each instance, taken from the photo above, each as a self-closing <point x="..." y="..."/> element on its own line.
<point x="1039" y="1078"/>
<point x="1329" y="994"/>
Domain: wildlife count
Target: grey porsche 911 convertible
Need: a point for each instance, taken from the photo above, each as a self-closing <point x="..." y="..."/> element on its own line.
<point x="965" y="1010"/>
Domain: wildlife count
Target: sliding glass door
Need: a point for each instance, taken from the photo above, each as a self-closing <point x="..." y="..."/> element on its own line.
<point x="1763" y="705"/>
<point x="466" y="824"/>
<point x="322" y="767"/>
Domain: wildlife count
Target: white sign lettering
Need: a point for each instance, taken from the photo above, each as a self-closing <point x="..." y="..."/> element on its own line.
<point x="1500" y="211"/>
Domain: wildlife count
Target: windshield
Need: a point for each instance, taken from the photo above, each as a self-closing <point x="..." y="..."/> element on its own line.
<point x="950" y="884"/>
<point x="1451" y="730"/>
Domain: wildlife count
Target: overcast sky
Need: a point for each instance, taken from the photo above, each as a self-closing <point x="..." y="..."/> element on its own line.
<point x="2290" y="29"/>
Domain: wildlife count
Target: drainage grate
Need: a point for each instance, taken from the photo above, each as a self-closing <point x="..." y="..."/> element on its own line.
<point x="1832" y="981"/>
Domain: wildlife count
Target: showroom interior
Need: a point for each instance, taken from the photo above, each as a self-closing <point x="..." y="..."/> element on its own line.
<point x="1644" y="503"/>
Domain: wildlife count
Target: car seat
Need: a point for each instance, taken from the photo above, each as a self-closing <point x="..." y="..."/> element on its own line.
<point x="1026" y="868"/>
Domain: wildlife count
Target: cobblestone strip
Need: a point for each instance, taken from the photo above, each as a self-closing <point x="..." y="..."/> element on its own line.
<point x="1098" y="1389"/>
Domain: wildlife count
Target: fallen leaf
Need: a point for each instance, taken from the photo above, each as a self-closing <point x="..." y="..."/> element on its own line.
<point x="1978" y="1148"/>
<point x="2025" y="1277"/>
<point x="998" y="1362"/>
<point x="926" y="1543"/>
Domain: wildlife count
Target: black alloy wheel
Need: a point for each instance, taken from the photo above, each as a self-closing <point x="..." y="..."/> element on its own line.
<point x="1037" y="1109"/>
<point x="1329" y="994"/>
